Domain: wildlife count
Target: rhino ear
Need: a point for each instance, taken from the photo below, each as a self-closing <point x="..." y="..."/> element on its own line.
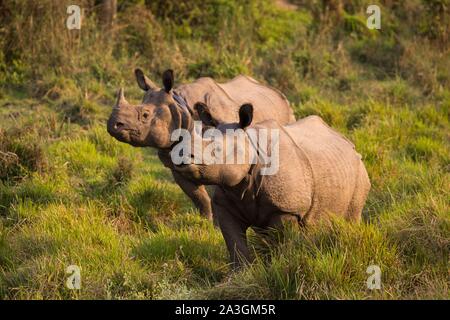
<point x="204" y="114"/>
<point x="245" y="115"/>
<point x="144" y="82"/>
<point x="167" y="78"/>
<point x="176" y="116"/>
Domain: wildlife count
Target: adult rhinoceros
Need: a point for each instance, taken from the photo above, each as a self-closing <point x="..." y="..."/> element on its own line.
<point x="319" y="175"/>
<point x="161" y="111"/>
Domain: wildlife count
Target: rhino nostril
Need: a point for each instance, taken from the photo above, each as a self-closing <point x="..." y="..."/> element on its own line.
<point x="118" y="125"/>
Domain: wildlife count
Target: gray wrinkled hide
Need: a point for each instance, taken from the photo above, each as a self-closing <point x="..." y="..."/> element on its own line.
<point x="320" y="174"/>
<point x="224" y="99"/>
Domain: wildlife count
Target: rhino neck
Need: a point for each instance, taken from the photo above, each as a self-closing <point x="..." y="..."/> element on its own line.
<point x="253" y="181"/>
<point x="181" y="102"/>
<point x="249" y="187"/>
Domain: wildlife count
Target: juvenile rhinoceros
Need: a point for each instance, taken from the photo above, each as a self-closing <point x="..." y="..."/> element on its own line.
<point x="319" y="174"/>
<point x="151" y="123"/>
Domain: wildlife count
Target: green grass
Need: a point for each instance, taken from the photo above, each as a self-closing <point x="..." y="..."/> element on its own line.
<point x="139" y="236"/>
<point x="75" y="196"/>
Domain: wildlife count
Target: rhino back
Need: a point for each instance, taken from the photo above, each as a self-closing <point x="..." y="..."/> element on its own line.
<point x="317" y="173"/>
<point x="224" y="99"/>
<point x="268" y="102"/>
<point x="335" y="165"/>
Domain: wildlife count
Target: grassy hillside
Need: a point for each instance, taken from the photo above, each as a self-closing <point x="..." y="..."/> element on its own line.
<point x="72" y="195"/>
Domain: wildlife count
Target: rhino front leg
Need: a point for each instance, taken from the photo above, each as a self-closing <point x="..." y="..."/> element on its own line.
<point x="197" y="193"/>
<point x="234" y="233"/>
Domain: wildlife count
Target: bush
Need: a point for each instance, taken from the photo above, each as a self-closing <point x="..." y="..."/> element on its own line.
<point x="123" y="172"/>
<point x="19" y="157"/>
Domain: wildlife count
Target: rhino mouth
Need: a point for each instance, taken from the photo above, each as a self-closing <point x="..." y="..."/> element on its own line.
<point x="120" y="127"/>
<point x="126" y="134"/>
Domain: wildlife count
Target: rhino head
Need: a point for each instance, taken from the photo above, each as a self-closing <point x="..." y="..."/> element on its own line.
<point x="150" y="123"/>
<point x="221" y="172"/>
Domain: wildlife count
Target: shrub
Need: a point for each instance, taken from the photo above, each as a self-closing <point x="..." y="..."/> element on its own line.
<point x="123" y="172"/>
<point x="18" y="156"/>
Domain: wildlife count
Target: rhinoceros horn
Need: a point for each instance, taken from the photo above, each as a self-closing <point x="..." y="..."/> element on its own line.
<point x="121" y="101"/>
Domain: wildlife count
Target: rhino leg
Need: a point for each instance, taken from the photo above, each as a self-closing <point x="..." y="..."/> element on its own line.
<point x="197" y="193"/>
<point x="234" y="233"/>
